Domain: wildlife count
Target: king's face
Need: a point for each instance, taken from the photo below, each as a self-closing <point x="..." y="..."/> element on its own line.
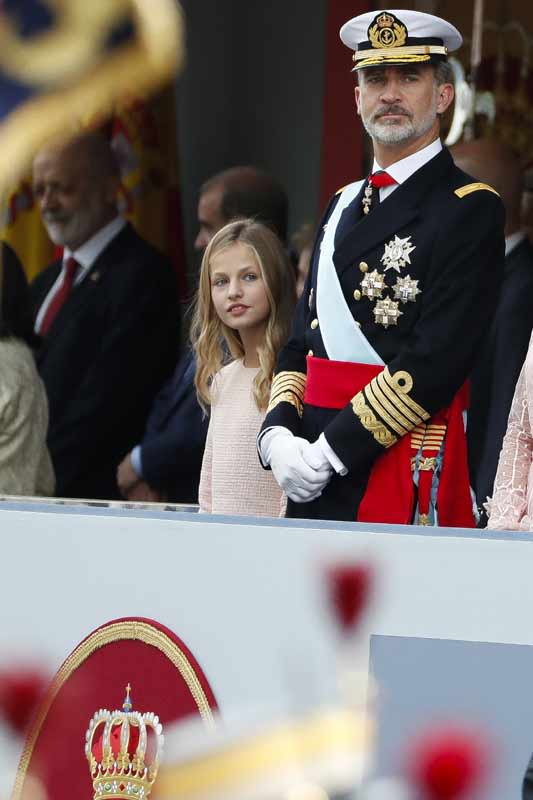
<point x="399" y="104"/>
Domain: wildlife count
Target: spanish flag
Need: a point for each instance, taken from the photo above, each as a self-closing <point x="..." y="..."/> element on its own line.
<point x="23" y="230"/>
<point x="144" y="136"/>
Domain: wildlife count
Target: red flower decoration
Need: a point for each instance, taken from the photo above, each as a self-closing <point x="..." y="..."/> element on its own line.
<point x="349" y="589"/>
<point x="21" y="688"/>
<point x="448" y="764"/>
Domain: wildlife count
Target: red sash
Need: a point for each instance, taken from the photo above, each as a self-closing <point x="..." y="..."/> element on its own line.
<point x="390" y="491"/>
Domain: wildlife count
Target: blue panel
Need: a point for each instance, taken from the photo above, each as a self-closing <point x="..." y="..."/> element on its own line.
<point x="488" y="685"/>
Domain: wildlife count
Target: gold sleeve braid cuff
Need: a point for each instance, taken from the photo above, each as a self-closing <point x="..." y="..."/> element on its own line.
<point x="384" y="407"/>
<point x="288" y="387"/>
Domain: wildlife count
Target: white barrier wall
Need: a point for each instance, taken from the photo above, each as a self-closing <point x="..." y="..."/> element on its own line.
<point x="450" y="633"/>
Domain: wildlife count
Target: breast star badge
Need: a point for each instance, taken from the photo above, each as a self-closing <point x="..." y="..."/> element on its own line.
<point x="386" y="312"/>
<point x="397" y="253"/>
<point x="406" y="289"/>
<point x="373" y="284"/>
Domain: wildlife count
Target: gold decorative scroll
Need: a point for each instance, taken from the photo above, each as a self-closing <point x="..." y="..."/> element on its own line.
<point x="77" y="81"/>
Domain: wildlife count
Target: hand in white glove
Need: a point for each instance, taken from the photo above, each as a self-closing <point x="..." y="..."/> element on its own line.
<point x="300" y="482"/>
<point x="314" y="456"/>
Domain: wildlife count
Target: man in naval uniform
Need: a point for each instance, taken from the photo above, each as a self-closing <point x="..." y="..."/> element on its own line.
<point x="365" y="419"/>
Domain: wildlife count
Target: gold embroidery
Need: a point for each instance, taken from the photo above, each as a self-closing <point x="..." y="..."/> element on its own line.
<point x="379" y="57"/>
<point x="118" y="631"/>
<point x="288" y="387"/>
<point x="380" y="433"/>
<point x="287" y="397"/>
<point x="401" y="384"/>
<point x="474" y="187"/>
<point x="387" y="31"/>
<point x="386" y="410"/>
<point x="408" y="53"/>
<point x="397" y="402"/>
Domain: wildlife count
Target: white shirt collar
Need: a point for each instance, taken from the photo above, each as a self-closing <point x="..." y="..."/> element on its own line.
<point x="513" y="241"/>
<point x="89" y="251"/>
<point x="403" y="169"/>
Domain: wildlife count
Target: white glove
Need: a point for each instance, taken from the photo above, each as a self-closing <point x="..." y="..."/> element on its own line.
<point x="300" y="482"/>
<point x="314" y="456"/>
<point x="320" y="455"/>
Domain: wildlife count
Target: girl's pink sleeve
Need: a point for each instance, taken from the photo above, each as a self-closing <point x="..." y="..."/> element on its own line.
<point x="204" y="491"/>
<point x="509" y="501"/>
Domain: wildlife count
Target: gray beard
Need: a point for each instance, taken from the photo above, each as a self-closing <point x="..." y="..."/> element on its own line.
<point x="392" y="133"/>
<point x="398" y="134"/>
<point x="77" y="229"/>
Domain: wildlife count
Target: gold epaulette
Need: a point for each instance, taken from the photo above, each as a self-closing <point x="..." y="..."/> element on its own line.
<point x="339" y="191"/>
<point x="474" y="187"/>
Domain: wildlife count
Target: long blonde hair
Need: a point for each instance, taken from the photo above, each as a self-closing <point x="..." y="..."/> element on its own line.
<point x="209" y="333"/>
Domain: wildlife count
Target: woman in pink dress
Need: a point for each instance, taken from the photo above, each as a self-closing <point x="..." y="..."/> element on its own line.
<point x="511" y="507"/>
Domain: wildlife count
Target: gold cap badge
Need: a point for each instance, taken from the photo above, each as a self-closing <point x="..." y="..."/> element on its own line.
<point x="387" y="31"/>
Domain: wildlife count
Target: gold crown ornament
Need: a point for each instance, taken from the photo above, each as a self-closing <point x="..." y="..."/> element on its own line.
<point x="124" y="751"/>
<point x="385" y="20"/>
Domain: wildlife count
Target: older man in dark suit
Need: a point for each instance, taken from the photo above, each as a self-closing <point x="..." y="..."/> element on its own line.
<point x="107" y="314"/>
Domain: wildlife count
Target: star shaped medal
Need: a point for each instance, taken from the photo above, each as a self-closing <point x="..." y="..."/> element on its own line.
<point x="397" y="253"/>
<point x="386" y="312"/>
<point x="373" y="284"/>
<point x="406" y="289"/>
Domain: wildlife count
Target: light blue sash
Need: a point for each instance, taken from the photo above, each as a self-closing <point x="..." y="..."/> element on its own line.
<point x="342" y="336"/>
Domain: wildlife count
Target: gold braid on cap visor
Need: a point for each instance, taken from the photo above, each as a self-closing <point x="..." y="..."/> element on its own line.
<point x="399" y="55"/>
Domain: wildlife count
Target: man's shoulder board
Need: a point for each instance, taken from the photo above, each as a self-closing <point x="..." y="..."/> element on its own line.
<point x="341" y="190"/>
<point x="474" y="187"/>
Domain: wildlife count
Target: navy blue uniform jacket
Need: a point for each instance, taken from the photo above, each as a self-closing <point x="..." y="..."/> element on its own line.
<point x="456" y="228"/>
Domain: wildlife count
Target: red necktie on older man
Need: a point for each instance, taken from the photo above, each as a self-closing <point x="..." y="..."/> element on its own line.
<point x="378" y="180"/>
<point x="61" y="295"/>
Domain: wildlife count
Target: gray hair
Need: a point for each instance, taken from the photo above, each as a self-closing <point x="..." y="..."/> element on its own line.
<point x="444" y="73"/>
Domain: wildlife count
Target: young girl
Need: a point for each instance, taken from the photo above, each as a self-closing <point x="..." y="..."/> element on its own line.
<point x="245" y="305"/>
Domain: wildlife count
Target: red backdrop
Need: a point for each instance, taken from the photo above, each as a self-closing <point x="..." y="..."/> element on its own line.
<point x="342" y="136"/>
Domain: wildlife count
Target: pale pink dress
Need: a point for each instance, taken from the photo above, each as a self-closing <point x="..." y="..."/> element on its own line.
<point x="511" y="507"/>
<point x="232" y="480"/>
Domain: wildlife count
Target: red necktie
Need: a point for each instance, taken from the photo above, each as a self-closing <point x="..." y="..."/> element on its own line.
<point x="381" y="179"/>
<point x="69" y="275"/>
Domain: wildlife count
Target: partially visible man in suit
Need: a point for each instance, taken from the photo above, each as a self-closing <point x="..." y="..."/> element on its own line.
<point x="107" y="315"/>
<point x="503" y="352"/>
<point x="240" y="192"/>
<point x="166" y="464"/>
